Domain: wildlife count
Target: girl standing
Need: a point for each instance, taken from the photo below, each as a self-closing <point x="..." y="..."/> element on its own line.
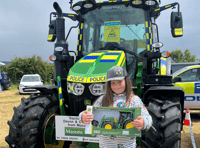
<point x="119" y="94"/>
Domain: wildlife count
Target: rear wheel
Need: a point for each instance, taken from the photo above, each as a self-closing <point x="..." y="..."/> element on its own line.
<point x="34" y="117"/>
<point x="128" y="124"/>
<point x="166" y="128"/>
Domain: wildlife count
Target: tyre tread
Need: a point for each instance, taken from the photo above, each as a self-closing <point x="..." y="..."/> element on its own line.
<point x="170" y="105"/>
<point x="29" y="119"/>
<point x="170" y="121"/>
<point x="162" y="117"/>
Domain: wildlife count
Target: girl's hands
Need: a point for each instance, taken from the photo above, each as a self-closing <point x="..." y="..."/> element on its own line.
<point x="86" y="117"/>
<point x="139" y="122"/>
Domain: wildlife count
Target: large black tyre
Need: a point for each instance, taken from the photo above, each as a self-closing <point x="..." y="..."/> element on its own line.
<point x="166" y="128"/>
<point x="29" y="121"/>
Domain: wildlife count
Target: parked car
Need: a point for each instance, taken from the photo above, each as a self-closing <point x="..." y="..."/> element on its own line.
<point x="189" y="79"/>
<point x="177" y="66"/>
<point x="30" y="80"/>
<point x="4" y="80"/>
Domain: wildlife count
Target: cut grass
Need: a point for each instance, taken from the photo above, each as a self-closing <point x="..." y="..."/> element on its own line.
<point x="13" y="87"/>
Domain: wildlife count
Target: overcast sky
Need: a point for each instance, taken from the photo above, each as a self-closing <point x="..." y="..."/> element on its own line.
<point x="24" y="28"/>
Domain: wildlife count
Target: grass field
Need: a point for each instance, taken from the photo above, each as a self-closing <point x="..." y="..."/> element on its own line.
<point x="11" y="98"/>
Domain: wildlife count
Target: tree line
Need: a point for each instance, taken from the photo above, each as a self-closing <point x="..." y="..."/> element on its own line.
<point x="183" y="57"/>
<point x="28" y="65"/>
<point x="35" y="65"/>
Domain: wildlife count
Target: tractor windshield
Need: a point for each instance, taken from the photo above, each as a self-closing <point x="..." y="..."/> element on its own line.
<point x="121" y="24"/>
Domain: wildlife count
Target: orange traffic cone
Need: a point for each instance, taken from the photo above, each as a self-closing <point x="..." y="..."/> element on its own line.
<point x="187" y="117"/>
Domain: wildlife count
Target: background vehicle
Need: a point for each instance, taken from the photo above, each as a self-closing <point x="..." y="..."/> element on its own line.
<point x="189" y="79"/>
<point x="99" y="47"/>
<point x="176" y="66"/>
<point x="4" y="80"/>
<point x="30" y="80"/>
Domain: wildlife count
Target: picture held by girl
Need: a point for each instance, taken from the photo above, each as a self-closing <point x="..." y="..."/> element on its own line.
<point x="119" y="94"/>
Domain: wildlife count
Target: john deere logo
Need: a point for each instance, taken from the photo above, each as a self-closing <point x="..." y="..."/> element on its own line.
<point x="87" y="102"/>
<point x="118" y="72"/>
<point x="89" y="109"/>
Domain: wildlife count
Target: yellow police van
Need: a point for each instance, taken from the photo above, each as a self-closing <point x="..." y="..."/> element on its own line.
<point x="189" y="79"/>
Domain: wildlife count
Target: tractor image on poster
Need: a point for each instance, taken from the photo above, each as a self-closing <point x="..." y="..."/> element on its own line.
<point x="110" y="33"/>
<point x="124" y="121"/>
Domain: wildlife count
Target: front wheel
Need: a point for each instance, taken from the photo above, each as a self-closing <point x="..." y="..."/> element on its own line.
<point x="166" y="128"/>
<point x="33" y="123"/>
<point x="108" y="125"/>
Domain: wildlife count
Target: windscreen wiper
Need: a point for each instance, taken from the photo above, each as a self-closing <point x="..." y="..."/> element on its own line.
<point x="134" y="33"/>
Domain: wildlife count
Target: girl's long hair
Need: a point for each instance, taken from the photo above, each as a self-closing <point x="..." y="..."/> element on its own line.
<point x="108" y="97"/>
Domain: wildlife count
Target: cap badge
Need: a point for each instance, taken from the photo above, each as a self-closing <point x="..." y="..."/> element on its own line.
<point x="118" y="72"/>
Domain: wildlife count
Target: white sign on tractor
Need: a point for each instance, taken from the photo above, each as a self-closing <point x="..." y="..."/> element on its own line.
<point x="69" y="128"/>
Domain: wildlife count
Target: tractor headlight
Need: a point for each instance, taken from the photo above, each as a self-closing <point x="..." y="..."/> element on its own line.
<point x="75" y="88"/>
<point x="97" y="89"/>
<point x="78" y="89"/>
<point x="76" y="8"/>
<point x="150" y="2"/>
<point x="137" y="2"/>
<point x="88" y="6"/>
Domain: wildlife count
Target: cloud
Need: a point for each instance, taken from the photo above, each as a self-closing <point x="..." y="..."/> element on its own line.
<point x="24" y="27"/>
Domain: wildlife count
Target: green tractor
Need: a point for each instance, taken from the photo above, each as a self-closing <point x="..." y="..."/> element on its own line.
<point x="124" y="121"/>
<point x="118" y="32"/>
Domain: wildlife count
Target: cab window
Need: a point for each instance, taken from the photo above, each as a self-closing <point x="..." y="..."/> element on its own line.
<point x="190" y="75"/>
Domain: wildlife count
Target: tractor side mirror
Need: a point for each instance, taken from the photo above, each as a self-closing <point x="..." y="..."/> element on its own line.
<point x="52" y="31"/>
<point x="176" y="79"/>
<point x="176" y="24"/>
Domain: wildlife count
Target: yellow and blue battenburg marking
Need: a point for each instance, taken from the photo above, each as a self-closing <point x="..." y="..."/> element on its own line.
<point x="113" y="1"/>
<point x="60" y="92"/>
<point x="62" y="110"/>
<point x="149" y="35"/>
<point x="164" y="7"/>
<point x="64" y="14"/>
<point x="68" y="14"/>
<point x="163" y="64"/>
<point x="92" y="57"/>
<point x="79" y="42"/>
<point x="110" y="56"/>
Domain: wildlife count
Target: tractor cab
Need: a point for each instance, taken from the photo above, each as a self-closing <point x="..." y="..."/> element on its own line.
<point x="109" y="34"/>
<point x="118" y="24"/>
<point x="125" y="116"/>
